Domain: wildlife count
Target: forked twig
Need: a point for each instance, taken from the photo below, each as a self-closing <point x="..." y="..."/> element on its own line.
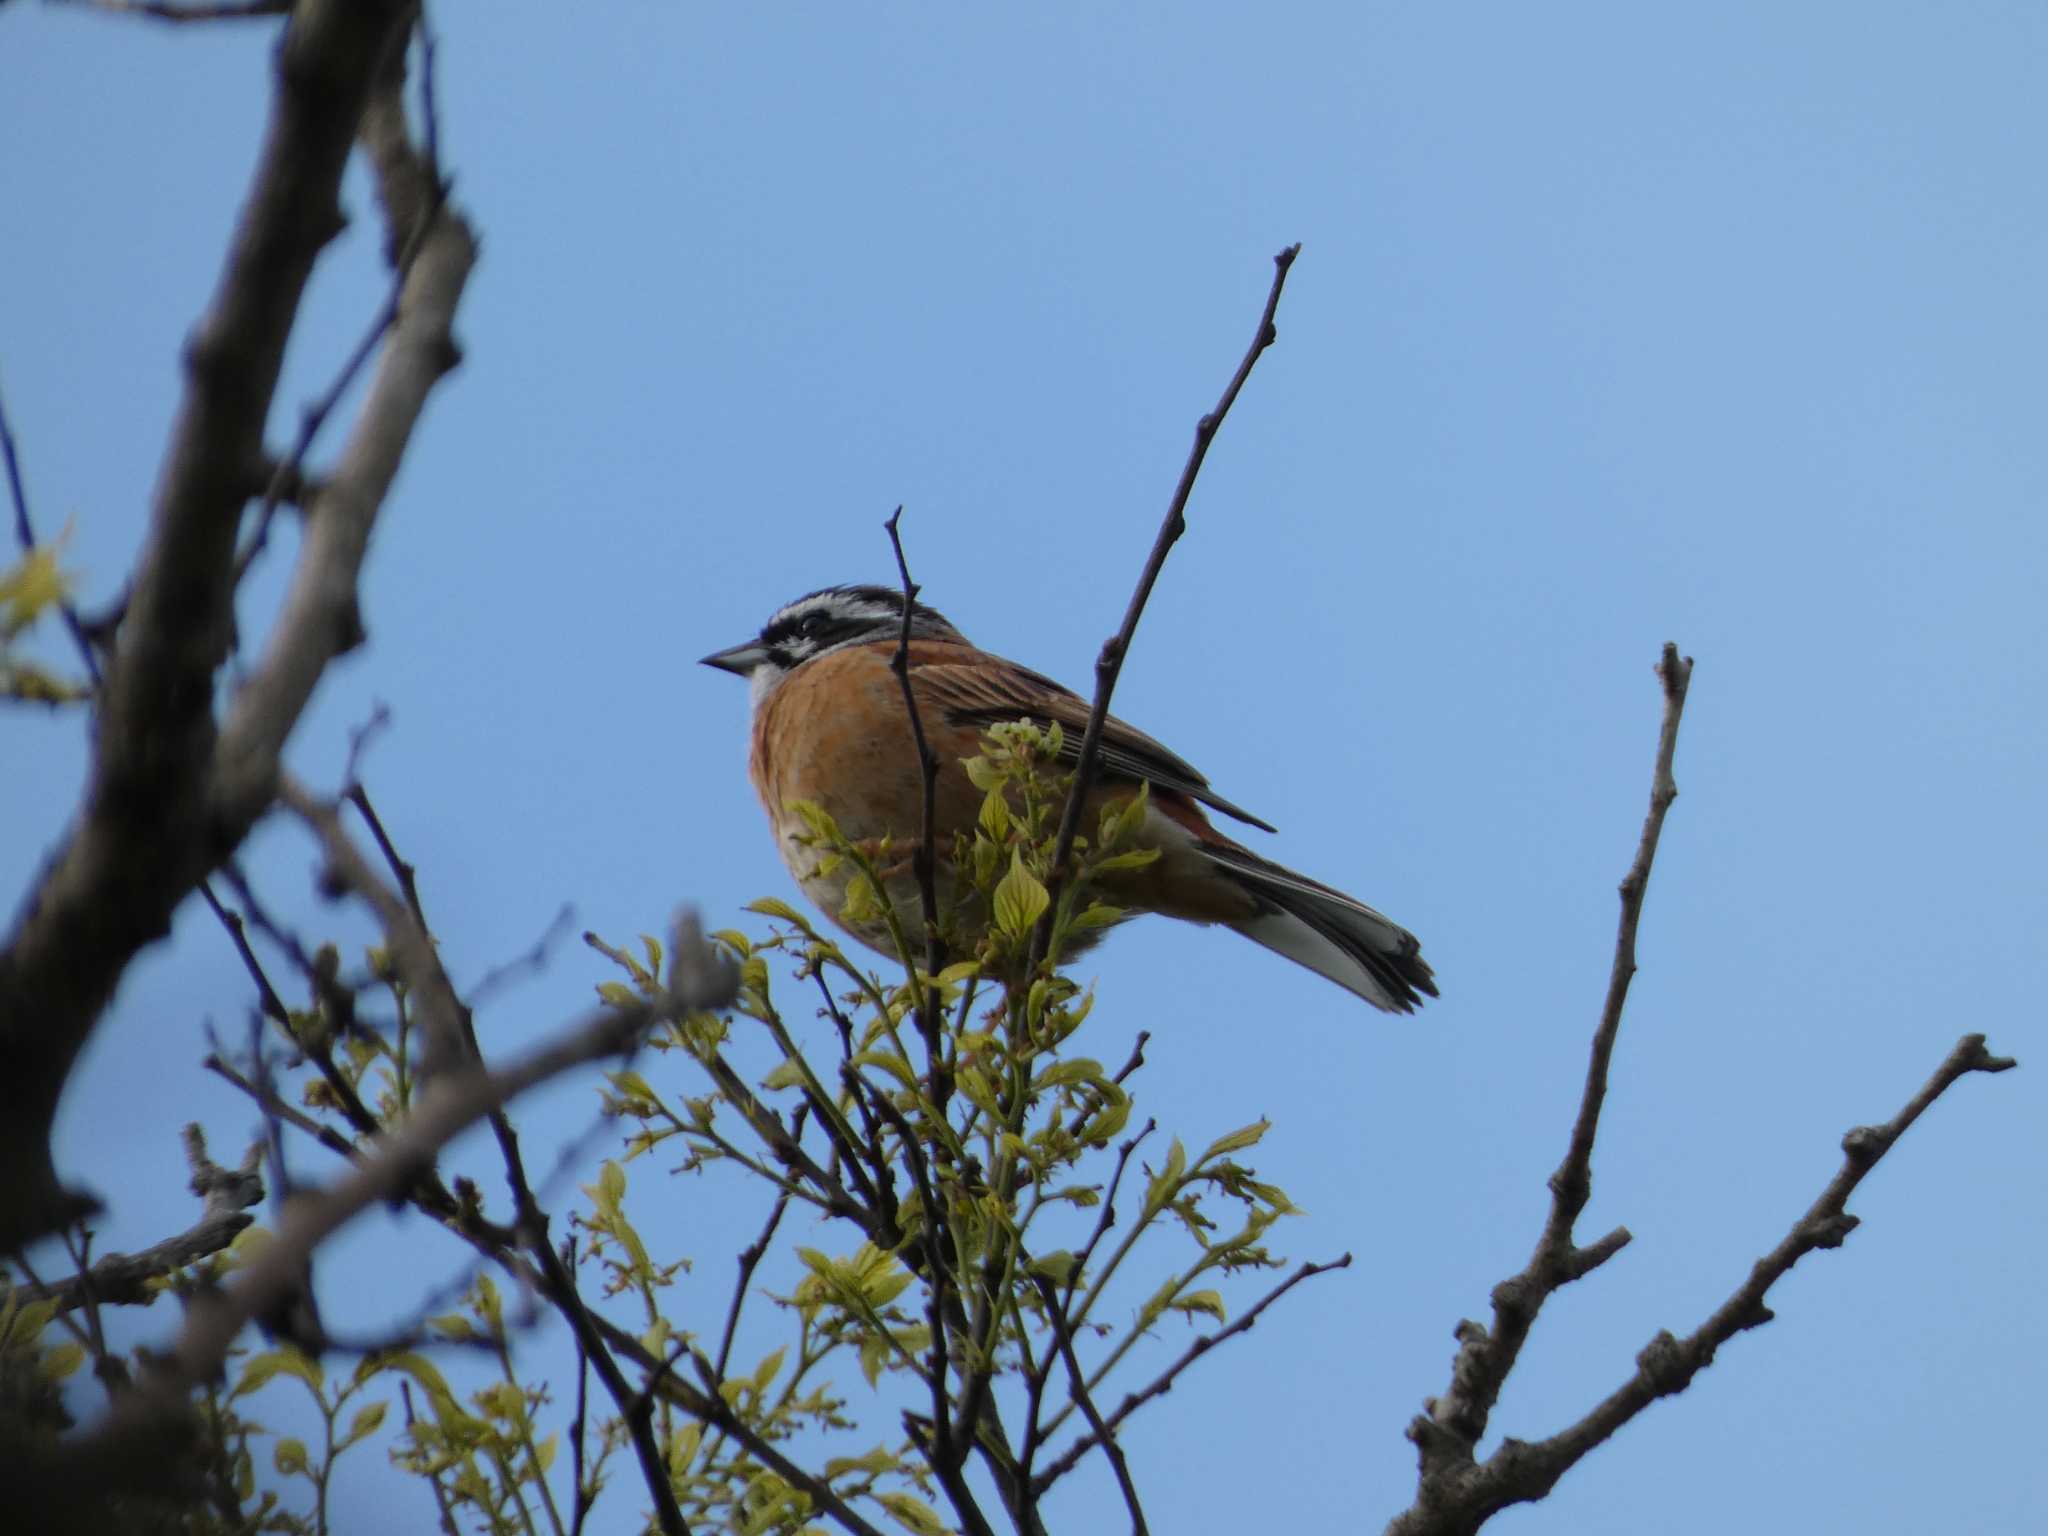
<point x="1457" y="1492"/>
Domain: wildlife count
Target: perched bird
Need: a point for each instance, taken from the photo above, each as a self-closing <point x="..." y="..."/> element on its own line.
<point x="830" y="727"/>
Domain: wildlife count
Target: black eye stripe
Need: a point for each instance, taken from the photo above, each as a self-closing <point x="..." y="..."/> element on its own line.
<point x="837" y="616"/>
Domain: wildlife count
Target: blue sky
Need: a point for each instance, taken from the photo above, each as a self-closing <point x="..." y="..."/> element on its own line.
<point x="1613" y="325"/>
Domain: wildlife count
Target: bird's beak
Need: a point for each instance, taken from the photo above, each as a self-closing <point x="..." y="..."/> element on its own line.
<point x="738" y="659"/>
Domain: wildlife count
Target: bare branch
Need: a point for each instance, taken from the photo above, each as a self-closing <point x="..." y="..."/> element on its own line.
<point x="1457" y="1497"/>
<point x="1110" y="664"/>
<point x="320" y="619"/>
<point x="750" y="1260"/>
<point x="1485" y="1358"/>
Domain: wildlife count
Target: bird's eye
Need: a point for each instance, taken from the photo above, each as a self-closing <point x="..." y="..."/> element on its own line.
<point x="809" y="625"/>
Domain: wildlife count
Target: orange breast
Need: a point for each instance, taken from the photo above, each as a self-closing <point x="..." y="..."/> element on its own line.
<point x="836" y="733"/>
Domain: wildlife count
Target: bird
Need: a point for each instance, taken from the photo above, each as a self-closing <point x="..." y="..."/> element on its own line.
<point x="830" y="727"/>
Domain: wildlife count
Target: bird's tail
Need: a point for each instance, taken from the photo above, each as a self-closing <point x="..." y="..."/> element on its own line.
<point x="1328" y="932"/>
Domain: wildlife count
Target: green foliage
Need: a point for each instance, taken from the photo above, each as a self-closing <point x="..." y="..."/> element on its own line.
<point x="32" y="587"/>
<point x="970" y="1207"/>
<point x="950" y="1126"/>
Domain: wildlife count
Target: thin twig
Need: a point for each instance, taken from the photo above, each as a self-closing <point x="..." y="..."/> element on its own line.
<point x="448" y="1526"/>
<point x="924" y="859"/>
<point x="1486" y="1358"/>
<point x="1109" y="664"/>
<point x="1048" y="1293"/>
<point x="750" y="1259"/>
<point x="1163" y="1382"/>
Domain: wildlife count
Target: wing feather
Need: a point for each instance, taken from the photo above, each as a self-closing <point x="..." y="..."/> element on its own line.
<point x="986" y="691"/>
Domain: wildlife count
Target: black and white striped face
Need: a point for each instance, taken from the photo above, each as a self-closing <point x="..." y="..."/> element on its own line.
<point x="819" y="623"/>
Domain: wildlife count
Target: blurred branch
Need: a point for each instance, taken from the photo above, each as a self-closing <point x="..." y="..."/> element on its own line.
<point x="167" y="796"/>
<point x="123" y="1278"/>
<point x="447" y="1021"/>
<point x="201" y="10"/>
<point x="1110" y="663"/>
<point x="137" y="1444"/>
<point x="320" y="619"/>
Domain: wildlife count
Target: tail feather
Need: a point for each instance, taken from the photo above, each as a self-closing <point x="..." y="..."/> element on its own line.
<point x="1329" y="933"/>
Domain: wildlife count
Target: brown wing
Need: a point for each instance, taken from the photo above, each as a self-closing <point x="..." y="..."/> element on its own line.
<point x="988" y="689"/>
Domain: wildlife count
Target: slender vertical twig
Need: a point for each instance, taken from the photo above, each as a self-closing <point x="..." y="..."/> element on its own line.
<point x="1110" y="663"/>
<point x="924" y="859"/>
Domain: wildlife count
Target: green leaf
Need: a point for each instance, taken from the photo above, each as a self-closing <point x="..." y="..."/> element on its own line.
<point x="290" y="1456"/>
<point x="28" y="1323"/>
<point x="1210" y="1302"/>
<point x="790" y="1074"/>
<point x="766" y="1371"/>
<point x="781" y="911"/>
<point x="859" y="906"/>
<point x="995" y="814"/>
<point x="618" y="994"/>
<point x="814" y="816"/>
<point x="32" y="584"/>
<point x="874" y="1354"/>
<point x="890" y="1063"/>
<point x="875" y="1463"/>
<point x="1057" y="1267"/>
<point x="1069" y="1074"/>
<point x="261" y="1368"/>
<point x="1134" y="858"/>
<point x="682" y="1448"/>
<point x="1112" y="1118"/>
<point x="1165" y="1183"/>
<point x="427" y="1374"/>
<point x="1131" y="819"/>
<point x="983" y="774"/>
<point x="1237" y="1141"/>
<point x="884" y="1286"/>
<point x="913" y="1514"/>
<point x="367" y="1418"/>
<point x="61" y="1360"/>
<point x="1020" y="899"/>
<point x="1096" y="914"/>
